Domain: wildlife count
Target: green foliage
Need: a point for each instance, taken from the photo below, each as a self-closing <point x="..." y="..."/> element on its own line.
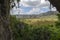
<point x="58" y="22"/>
<point x="23" y="31"/>
<point x="58" y="16"/>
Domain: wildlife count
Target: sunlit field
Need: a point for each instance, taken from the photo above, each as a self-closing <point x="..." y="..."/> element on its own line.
<point x="36" y="29"/>
<point x="42" y="20"/>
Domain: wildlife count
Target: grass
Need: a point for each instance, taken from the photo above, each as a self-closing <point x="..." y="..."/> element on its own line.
<point x="42" y="20"/>
<point x="36" y="29"/>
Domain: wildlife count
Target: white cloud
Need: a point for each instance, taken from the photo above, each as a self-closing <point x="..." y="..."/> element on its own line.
<point x="15" y="11"/>
<point x="30" y="3"/>
<point x="25" y="5"/>
<point x="34" y="11"/>
<point x="42" y="1"/>
<point x="28" y="0"/>
<point x="35" y="3"/>
<point x="53" y="9"/>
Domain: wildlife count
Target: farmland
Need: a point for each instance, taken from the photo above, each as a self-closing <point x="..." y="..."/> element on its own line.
<point x="36" y="28"/>
<point x="42" y="20"/>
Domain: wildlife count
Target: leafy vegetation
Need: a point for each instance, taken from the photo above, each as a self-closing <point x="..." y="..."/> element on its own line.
<point x="38" y="30"/>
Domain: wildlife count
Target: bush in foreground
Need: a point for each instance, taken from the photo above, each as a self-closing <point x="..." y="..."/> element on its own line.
<point x="23" y="31"/>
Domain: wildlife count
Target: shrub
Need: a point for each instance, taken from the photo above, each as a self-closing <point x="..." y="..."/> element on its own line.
<point x="23" y="31"/>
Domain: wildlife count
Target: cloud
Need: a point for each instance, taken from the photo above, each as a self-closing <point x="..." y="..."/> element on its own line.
<point x="30" y="3"/>
<point x="38" y="10"/>
<point x="34" y="11"/>
<point x="44" y="4"/>
<point x="15" y="11"/>
<point x="38" y="6"/>
<point x="35" y="3"/>
<point x="53" y="9"/>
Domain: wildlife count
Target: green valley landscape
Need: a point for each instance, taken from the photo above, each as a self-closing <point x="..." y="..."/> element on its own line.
<point x="29" y="19"/>
<point x="43" y="28"/>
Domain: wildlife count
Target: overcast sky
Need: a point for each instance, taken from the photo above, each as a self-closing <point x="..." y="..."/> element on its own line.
<point x="32" y="7"/>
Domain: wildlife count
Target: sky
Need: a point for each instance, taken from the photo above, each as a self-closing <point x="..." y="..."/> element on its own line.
<point x="32" y="7"/>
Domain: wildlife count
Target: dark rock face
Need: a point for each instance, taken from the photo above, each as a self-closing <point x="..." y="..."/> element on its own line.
<point x="56" y="3"/>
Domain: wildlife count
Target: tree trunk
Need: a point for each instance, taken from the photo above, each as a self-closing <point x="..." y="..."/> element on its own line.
<point x="5" y="33"/>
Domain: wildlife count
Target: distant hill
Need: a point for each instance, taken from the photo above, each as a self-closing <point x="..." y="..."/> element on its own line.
<point x="49" y="13"/>
<point x="38" y="15"/>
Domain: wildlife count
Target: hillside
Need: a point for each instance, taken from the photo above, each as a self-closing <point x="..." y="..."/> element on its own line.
<point x="42" y="20"/>
<point x="37" y="15"/>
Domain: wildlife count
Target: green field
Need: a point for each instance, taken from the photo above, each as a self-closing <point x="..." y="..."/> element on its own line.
<point x="44" y="28"/>
<point x="42" y="20"/>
